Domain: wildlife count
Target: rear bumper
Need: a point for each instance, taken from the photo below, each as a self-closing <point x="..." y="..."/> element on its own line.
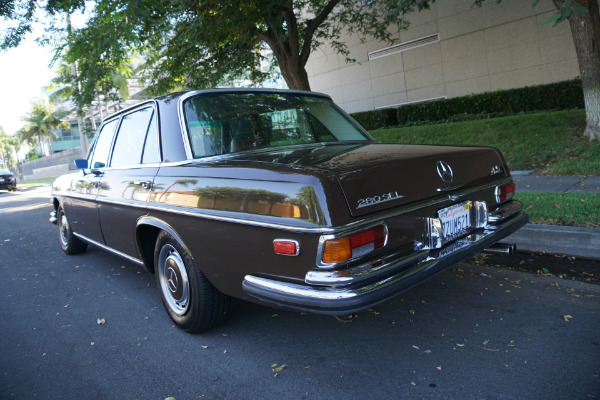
<point x="8" y="185"/>
<point x="402" y="274"/>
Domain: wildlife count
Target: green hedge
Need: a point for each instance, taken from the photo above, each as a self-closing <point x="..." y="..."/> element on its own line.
<point x="555" y="96"/>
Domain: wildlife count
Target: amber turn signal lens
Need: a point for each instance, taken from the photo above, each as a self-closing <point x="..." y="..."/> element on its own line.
<point x="346" y="247"/>
<point x="337" y="250"/>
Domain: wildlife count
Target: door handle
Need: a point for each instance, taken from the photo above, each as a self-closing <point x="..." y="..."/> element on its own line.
<point x="144" y="184"/>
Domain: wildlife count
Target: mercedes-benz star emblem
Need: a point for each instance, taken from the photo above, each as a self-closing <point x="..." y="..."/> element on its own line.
<point x="172" y="280"/>
<point x="444" y="171"/>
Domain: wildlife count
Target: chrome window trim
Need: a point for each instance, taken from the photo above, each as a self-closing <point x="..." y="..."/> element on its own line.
<point x="122" y="114"/>
<point x="181" y="114"/>
<point x="92" y="149"/>
<point x="109" y="249"/>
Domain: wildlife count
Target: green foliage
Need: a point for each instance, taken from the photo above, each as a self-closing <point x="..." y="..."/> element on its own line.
<point x="376" y="119"/>
<point x="572" y="209"/>
<point x="554" y="96"/>
<point x="548" y="141"/>
<point x="190" y="44"/>
<point x="41" y="122"/>
<point x="8" y="145"/>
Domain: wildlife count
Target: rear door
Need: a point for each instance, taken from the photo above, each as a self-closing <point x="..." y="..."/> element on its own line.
<point x="126" y="183"/>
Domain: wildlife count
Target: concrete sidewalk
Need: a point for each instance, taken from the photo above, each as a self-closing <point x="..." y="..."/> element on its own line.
<point x="553" y="239"/>
<point x="565" y="184"/>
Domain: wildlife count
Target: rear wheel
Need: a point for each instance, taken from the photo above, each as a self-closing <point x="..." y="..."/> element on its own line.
<point x="69" y="243"/>
<point x="191" y="301"/>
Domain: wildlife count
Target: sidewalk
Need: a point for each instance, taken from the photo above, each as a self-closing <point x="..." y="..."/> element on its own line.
<point x="553" y="239"/>
<point x="570" y="184"/>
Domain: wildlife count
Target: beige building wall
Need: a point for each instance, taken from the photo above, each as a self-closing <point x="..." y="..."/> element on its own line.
<point x="477" y="49"/>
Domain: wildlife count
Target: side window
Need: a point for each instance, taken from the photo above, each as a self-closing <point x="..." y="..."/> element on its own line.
<point x="151" y="150"/>
<point x="131" y="137"/>
<point x="102" y="146"/>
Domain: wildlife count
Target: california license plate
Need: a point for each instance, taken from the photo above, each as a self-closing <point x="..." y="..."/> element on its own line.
<point x="456" y="220"/>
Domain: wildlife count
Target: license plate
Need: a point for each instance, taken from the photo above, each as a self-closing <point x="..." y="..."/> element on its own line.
<point x="456" y="220"/>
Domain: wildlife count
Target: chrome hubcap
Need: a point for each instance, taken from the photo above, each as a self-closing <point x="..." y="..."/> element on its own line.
<point x="64" y="229"/>
<point x="173" y="280"/>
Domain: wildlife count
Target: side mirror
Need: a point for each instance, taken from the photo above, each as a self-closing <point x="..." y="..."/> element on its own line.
<point x="81" y="164"/>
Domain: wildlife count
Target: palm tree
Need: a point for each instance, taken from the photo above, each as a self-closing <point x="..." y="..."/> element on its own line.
<point x="41" y="122"/>
<point x="116" y="87"/>
<point x="8" y="145"/>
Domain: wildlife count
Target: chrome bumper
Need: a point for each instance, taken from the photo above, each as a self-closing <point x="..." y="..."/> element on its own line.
<point x="387" y="278"/>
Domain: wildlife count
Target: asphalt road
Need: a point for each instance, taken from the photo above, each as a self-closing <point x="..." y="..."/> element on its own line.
<point x="474" y="332"/>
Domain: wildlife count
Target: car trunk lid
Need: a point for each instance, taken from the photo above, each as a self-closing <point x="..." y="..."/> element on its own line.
<point x="376" y="177"/>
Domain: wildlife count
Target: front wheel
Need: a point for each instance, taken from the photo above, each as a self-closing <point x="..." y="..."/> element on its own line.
<point x="191" y="301"/>
<point x="69" y="243"/>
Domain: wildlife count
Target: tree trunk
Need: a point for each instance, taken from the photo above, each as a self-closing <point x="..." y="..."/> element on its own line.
<point x="585" y="29"/>
<point x="293" y="72"/>
<point x="50" y="146"/>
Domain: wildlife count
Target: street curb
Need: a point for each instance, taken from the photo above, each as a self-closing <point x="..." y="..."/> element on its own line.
<point x="554" y="239"/>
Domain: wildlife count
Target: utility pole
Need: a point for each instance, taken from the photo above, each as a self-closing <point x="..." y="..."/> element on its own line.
<point x="75" y="88"/>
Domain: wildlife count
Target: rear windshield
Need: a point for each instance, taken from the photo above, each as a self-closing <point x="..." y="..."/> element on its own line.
<point x="5" y="172"/>
<point x="224" y="123"/>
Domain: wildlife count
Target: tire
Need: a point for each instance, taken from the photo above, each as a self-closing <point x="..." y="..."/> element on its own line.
<point x="191" y="301"/>
<point x="69" y="243"/>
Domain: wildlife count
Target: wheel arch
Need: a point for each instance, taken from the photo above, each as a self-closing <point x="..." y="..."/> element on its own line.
<point x="147" y="231"/>
<point x="55" y="203"/>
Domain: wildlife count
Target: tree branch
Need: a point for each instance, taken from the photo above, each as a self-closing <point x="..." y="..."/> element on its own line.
<point x="311" y="28"/>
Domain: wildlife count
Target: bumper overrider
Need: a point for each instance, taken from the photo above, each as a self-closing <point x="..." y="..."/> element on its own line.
<point x="358" y="288"/>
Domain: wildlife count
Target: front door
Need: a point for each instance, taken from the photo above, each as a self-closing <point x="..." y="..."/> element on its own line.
<point x="81" y="208"/>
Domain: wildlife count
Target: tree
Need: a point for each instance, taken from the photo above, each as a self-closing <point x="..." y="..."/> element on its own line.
<point x="8" y="146"/>
<point x="585" y="27"/>
<point x="200" y="44"/>
<point x="41" y="122"/>
<point x="112" y="88"/>
<point x="584" y="19"/>
<point x="196" y="44"/>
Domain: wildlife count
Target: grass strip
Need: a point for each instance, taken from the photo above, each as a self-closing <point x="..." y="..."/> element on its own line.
<point x="35" y="181"/>
<point x="548" y="141"/>
<point x="571" y="209"/>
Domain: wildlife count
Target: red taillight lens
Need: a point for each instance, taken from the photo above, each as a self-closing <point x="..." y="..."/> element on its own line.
<point x="346" y="247"/>
<point x="505" y="193"/>
<point x="286" y="247"/>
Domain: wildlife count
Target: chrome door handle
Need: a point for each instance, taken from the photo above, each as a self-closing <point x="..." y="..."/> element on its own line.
<point x="145" y="184"/>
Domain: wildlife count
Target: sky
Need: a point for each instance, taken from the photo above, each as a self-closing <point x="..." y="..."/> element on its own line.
<point x="23" y="72"/>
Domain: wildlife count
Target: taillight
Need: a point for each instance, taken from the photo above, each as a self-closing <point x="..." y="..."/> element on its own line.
<point x="344" y="248"/>
<point x="505" y="193"/>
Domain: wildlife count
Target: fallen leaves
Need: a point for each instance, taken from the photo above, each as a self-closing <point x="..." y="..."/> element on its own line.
<point x="101" y="321"/>
<point x="567" y="318"/>
<point x="280" y="368"/>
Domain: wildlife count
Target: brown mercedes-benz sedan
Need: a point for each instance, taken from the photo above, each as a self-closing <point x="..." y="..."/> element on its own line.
<point x="277" y="197"/>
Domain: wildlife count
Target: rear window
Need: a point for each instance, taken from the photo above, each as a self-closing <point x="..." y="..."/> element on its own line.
<point x="224" y="123"/>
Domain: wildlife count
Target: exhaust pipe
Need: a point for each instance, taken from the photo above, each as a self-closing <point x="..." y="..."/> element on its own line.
<point x="507" y="249"/>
